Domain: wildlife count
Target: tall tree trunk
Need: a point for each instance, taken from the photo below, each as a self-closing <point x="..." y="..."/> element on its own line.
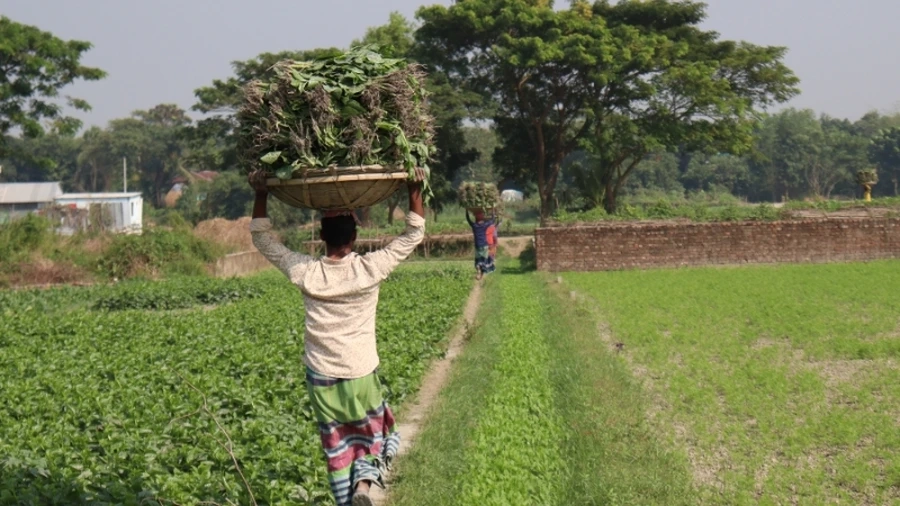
<point x="609" y="197"/>
<point x="546" y="209"/>
<point x="393" y="203"/>
<point x="365" y="216"/>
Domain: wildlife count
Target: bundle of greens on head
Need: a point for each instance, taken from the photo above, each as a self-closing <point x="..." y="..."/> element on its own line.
<point x="476" y="195"/>
<point x="352" y="110"/>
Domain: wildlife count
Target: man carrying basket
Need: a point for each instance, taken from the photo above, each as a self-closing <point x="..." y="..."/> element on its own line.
<point x="340" y="295"/>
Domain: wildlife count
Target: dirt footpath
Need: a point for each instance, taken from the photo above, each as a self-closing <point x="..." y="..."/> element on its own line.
<point x="415" y="415"/>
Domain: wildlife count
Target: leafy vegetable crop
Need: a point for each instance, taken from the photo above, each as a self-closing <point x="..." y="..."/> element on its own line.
<point x="358" y="108"/>
<point x="105" y="407"/>
<point x="478" y="195"/>
<point x="514" y="456"/>
<point x="179" y="293"/>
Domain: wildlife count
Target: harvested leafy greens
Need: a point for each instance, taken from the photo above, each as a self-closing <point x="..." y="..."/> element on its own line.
<point x="478" y="195"/>
<point x="355" y="109"/>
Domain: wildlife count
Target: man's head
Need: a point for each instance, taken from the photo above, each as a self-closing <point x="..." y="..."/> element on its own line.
<point x="479" y="215"/>
<point x="338" y="230"/>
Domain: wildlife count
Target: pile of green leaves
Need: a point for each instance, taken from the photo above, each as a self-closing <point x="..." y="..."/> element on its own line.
<point x="100" y="407"/>
<point x="358" y="108"/>
<point x="478" y="195"/>
<point x="867" y="177"/>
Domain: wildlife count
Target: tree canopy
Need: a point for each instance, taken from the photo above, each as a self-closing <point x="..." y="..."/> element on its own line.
<point x="618" y="80"/>
<point x="34" y="67"/>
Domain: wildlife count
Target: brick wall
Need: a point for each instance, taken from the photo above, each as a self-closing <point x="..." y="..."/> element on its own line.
<point x="611" y="246"/>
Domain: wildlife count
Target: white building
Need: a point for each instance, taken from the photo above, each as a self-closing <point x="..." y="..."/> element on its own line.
<point x="117" y="212"/>
<point x="19" y="199"/>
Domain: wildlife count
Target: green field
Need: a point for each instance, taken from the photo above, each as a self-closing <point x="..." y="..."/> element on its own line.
<point x="755" y="385"/>
<point x="781" y="384"/>
<point x="102" y="388"/>
<point x="760" y="385"/>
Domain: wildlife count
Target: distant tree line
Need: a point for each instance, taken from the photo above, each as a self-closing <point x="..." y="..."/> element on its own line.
<point x="576" y="106"/>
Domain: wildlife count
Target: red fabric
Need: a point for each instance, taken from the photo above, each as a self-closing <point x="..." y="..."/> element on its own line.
<point x="492" y="235"/>
<point x="374" y="426"/>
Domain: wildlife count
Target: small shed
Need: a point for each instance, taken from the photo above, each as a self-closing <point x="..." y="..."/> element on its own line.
<point x="511" y="196"/>
<point x="19" y="199"/>
<point x="115" y="212"/>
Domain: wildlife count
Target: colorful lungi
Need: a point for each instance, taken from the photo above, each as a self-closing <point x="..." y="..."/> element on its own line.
<point x="484" y="262"/>
<point x="357" y="430"/>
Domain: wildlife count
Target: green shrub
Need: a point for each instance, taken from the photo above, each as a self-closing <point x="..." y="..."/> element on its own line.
<point x="730" y="212"/>
<point x="662" y="209"/>
<point x="23" y="236"/>
<point x="765" y="212"/>
<point x="158" y="251"/>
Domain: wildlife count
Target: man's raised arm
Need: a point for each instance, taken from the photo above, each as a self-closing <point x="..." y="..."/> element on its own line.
<point x="264" y="239"/>
<point x="385" y="260"/>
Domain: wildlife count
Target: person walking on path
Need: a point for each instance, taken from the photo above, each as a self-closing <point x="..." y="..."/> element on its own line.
<point x="340" y="295"/>
<point x="484" y="260"/>
<point x="493" y="238"/>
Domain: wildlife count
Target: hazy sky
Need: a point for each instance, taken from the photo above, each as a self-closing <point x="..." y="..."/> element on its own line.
<point x="159" y="51"/>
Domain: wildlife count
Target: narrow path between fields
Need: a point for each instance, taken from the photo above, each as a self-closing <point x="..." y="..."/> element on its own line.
<point x="537" y="411"/>
<point x="414" y="415"/>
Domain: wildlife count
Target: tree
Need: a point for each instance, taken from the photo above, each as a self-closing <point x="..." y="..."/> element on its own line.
<point x="872" y="123"/>
<point x="618" y="80"/>
<point x="34" y="67"/>
<point x="799" y="154"/>
<point x="153" y="142"/>
<point x="224" y="197"/>
<point x="787" y="145"/>
<point x="50" y="157"/>
<point x="484" y="141"/>
<point x="884" y="152"/>
<point x="395" y="37"/>
<point x="843" y="154"/>
<point x="722" y="170"/>
<point x="96" y="162"/>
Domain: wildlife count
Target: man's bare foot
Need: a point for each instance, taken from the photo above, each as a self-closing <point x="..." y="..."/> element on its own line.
<point x="361" y="495"/>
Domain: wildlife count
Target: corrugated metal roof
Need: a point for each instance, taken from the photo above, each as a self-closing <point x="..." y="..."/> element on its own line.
<point x="97" y="196"/>
<point x="28" y="193"/>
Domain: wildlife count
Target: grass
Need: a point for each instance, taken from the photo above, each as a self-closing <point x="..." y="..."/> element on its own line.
<point x="614" y="455"/>
<point x="780" y="383"/>
<point x="428" y="473"/>
<point x="537" y="413"/>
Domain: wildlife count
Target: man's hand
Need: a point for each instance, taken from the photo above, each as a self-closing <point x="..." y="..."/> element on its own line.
<point x="257" y="180"/>
<point x="417" y="181"/>
<point x="416" y="203"/>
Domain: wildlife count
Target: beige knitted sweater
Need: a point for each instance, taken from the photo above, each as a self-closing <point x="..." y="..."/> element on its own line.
<point x="340" y="297"/>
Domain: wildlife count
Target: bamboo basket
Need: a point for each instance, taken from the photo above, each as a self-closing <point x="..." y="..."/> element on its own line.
<point x="339" y="187"/>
